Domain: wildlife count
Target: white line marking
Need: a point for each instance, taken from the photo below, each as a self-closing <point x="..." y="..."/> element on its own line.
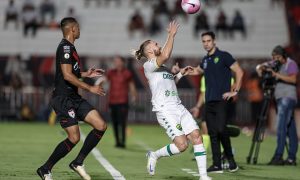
<point x="100" y="158"/>
<point x="143" y="145"/>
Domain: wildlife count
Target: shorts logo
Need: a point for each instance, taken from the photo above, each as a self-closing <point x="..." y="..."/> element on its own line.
<point x="178" y="126"/>
<point x="67" y="56"/>
<point x="71" y="113"/>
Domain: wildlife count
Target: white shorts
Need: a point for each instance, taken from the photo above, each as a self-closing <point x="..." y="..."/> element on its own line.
<point x="176" y="120"/>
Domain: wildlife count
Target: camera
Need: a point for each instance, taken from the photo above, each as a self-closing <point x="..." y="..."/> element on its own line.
<point x="268" y="81"/>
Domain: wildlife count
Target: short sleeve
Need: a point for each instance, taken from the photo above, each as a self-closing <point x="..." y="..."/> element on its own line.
<point x="229" y="60"/>
<point x="65" y="55"/>
<point x="292" y="68"/>
<point x="150" y="65"/>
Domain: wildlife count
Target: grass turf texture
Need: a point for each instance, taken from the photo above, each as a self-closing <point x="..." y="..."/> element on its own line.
<point x="24" y="147"/>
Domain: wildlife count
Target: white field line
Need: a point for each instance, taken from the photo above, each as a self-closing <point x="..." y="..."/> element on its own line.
<point x="100" y="158"/>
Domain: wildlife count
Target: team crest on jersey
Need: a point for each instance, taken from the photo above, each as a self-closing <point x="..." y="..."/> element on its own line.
<point x="216" y="60"/>
<point x="71" y="113"/>
<point x="67" y="56"/>
<point x="178" y="126"/>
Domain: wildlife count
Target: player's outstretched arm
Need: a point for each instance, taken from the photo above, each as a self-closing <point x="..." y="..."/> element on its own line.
<point x="168" y="47"/>
<point x="70" y="77"/>
<point x="195" y="71"/>
<point x="92" y="72"/>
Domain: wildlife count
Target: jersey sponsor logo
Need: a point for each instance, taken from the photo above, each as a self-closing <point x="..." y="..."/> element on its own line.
<point x="67" y="49"/>
<point x="167" y="93"/>
<point x="71" y="113"/>
<point x="216" y="60"/>
<point x="67" y="56"/>
<point x="168" y="76"/>
<point x="170" y="93"/>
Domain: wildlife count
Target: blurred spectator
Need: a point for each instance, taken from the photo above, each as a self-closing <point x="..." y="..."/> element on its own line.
<point x="178" y="10"/>
<point x="53" y="24"/>
<point x="11" y="14"/>
<point x="72" y="13"/>
<point x="30" y="21"/>
<point x="147" y="2"/>
<point x="28" y="4"/>
<point x="15" y="81"/>
<point x="222" y="23"/>
<point x="238" y="24"/>
<point x="121" y="83"/>
<point x="155" y="25"/>
<point x="47" y="7"/>
<point x="98" y="2"/>
<point x="136" y="23"/>
<point x="201" y="23"/>
<point x="162" y="8"/>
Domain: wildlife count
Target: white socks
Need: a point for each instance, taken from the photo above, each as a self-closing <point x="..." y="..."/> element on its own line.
<point x="200" y="156"/>
<point x="168" y="150"/>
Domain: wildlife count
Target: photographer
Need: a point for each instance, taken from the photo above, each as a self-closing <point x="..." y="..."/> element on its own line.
<point x="284" y="71"/>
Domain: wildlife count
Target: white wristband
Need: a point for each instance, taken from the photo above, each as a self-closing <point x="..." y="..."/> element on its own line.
<point x="179" y="75"/>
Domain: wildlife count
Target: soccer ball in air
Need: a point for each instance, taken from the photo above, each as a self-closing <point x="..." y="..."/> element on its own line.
<point x="191" y="6"/>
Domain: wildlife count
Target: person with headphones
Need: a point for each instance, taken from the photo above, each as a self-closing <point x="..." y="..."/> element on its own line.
<point x="286" y="99"/>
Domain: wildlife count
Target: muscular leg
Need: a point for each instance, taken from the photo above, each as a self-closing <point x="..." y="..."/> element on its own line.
<point x="64" y="147"/>
<point x="180" y="144"/>
<point x="95" y="120"/>
<point x="199" y="151"/>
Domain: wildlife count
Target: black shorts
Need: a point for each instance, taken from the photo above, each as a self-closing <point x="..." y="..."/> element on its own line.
<point x="70" y="110"/>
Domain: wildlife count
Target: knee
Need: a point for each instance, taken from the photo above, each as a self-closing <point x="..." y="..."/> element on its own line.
<point x="74" y="138"/>
<point x="196" y="137"/>
<point x="101" y="126"/>
<point x="182" y="146"/>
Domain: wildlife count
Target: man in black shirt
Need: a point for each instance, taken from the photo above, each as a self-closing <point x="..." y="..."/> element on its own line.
<point x="69" y="106"/>
<point x="217" y="67"/>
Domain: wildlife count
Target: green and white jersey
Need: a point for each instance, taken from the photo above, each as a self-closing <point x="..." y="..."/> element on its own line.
<point x="162" y="85"/>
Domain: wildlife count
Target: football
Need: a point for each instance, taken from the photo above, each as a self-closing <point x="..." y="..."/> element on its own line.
<point x="191" y="6"/>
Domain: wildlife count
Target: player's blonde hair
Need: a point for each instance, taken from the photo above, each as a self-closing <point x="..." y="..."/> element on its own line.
<point x="139" y="54"/>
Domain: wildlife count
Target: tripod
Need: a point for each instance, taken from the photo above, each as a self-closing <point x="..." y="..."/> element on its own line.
<point x="260" y="126"/>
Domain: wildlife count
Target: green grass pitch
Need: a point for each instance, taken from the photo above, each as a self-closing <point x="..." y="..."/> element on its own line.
<point x="24" y="147"/>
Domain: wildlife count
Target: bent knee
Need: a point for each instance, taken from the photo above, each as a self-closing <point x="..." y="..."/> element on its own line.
<point x="74" y="138"/>
<point x="182" y="146"/>
<point x="102" y="126"/>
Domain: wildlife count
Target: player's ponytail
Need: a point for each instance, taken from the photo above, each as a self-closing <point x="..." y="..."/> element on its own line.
<point x="139" y="54"/>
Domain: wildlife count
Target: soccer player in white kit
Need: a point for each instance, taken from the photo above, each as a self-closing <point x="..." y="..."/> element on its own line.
<point x="179" y="124"/>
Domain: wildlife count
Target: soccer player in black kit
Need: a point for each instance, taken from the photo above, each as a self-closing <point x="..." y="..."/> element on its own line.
<point x="69" y="106"/>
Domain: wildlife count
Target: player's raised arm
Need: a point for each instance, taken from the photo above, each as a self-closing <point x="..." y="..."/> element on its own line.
<point x="168" y="47"/>
<point x="195" y="71"/>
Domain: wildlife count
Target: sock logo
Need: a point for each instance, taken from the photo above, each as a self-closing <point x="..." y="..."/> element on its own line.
<point x="71" y="113"/>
